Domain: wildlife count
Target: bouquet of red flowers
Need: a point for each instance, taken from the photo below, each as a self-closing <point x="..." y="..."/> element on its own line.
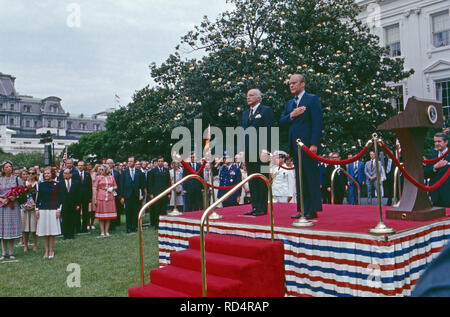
<point x="21" y="194"/>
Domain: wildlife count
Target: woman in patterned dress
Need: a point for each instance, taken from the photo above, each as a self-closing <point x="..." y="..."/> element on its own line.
<point x="103" y="191"/>
<point x="48" y="212"/>
<point x="29" y="221"/>
<point x="10" y="221"/>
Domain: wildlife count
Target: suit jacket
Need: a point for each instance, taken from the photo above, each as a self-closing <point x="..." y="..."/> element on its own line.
<point x="85" y="188"/>
<point x="131" y="188"/>
<point x="262" y="118"/>
<point x="192" y="186"/>
<point x="371" y="171"/>
<point x="71" y="199"/>
<point x="75" y="174"/>
<point x="441" y="196"/>
<point x="340" y="180"/>
<point x="308" y="126"/>
<point x="116" y="175"/>
<point x="361" y="176"/>
<point x="157" y="181"/>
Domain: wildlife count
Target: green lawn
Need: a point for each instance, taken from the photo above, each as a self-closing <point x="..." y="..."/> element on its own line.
<point x="108" y="266"/>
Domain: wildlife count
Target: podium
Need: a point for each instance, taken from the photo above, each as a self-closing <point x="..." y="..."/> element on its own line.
<point x="411" y="127"/>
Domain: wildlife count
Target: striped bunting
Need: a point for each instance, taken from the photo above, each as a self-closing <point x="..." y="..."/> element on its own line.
<point x="326" y="263"/>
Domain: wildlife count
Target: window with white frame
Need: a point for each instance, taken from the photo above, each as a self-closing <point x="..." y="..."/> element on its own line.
<point x="392" y="35"/>
<point x="441" y="29"/>
<point x="397" y="100"/>
<point x="443" y="95"/>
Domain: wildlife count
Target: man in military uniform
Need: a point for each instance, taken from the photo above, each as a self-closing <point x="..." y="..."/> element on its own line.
<point x="229" y="175"/>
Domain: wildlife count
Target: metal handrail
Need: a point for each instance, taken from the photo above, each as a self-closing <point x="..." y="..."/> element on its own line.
<point x="333" y="174"/>
<point x="219" y="201"/>
<point x="152" y="202"/>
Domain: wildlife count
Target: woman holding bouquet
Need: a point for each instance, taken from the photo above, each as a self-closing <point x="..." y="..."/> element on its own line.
<point x="103" y="197"/>
<point x="10" y="222"/>
<point x="29" y="221"/>
<point x="48" y="212"/>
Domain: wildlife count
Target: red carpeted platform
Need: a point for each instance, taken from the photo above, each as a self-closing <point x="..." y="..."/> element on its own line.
<point x="343" y="218"/>
<point x="335" y="257"/>
<point x="235" y="266"/>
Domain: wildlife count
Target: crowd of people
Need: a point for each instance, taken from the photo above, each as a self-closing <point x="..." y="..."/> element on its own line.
<point x="67" y="201"/>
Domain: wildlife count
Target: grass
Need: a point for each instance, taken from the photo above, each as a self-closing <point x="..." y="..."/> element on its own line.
<point x="108" y="266"/>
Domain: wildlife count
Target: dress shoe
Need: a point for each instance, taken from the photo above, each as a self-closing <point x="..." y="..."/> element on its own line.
<point x="260" y="213"/>
<point x="311" y="216"/>
<point x="250" y="213"/>
<point x="297" y="216"/>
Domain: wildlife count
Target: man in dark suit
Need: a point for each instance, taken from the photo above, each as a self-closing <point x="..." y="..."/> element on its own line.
<point x="69" y="165"/>
<point x="255" y="118"/>
<point x="339" y="183"/>
<point x="132" y="188"/>
<point x="69" y="200"/>
<point x="388" y="184"/>
<point x="355" y="170"/>
<point x="303" y="115"/>
<point x="192" y="189"/>
<point x="119" y="207"/>
<point x="158" y="180"/>
<point x="435" y="171"/>
<point x="85" y="197"/>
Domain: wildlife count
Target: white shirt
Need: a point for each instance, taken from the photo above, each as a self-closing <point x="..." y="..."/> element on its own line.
<point x="300" y="97"/>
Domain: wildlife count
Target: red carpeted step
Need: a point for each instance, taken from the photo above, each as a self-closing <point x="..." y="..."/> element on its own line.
<point x="190" y="282"/>
<point x="270" y="253"/>
<point x="248" y="271"/>
<point x="153" y="290"/>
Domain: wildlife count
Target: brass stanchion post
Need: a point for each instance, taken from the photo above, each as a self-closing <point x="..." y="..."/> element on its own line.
<point x="380" y="228"/>
<point x="302" y="222"/>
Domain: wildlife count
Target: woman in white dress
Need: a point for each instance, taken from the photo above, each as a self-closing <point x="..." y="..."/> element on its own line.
<point x="178" y="192"/>
<point x="48" y="212"/>
<point x="29" y="221"/>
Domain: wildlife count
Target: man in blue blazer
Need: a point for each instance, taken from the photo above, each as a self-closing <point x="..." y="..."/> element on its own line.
<point x="355" y="170"/>
<point x="132" y="189"/>
<point x="303" y="116"/>
<point x="257" y="116"/>
<point x="441" y="196"/>
<point x="192" y="189"/>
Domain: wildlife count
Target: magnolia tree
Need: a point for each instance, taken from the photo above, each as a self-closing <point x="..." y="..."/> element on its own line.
<point x="259" y="44"/>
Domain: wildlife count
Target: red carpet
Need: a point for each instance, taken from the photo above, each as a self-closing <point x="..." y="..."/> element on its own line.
<point x="235" y="266"/>
<point x="342" y="218"/>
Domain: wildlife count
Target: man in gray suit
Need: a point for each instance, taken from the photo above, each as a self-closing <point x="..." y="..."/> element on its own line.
<point x="371" y="175"/>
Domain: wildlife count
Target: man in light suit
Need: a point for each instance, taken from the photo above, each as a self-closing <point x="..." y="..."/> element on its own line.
<point x="441" y="196"/>
<point x="132" y="189"/>
<point x="370" y="170"/>
<point x="303" y="116"/>
<point x="355" y="170"/>
<point x="257" y="117"/>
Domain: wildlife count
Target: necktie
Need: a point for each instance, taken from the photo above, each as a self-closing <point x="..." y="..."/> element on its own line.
<point x="82" y="176"/>
<point x="132" y="174"/>
<point x="296" y="101"/>
<point x="251" y="114"/>
<point x="68" y="186"/>
<point x="371" y="164"/>
<point x="355" y="169"/>
<point x="160" y="170"/>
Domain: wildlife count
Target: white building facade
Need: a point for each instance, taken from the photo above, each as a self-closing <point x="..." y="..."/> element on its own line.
<point x="419" y="31"/>
<point x="24" y="118"/>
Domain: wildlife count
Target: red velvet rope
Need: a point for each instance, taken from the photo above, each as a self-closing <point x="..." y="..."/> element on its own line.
<point x="334" y="162"/>
<point x="190" y="170"/>
<point x="409" y="177"/>
<point x="437" y="159"/>
<point x="287" y="168"/>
